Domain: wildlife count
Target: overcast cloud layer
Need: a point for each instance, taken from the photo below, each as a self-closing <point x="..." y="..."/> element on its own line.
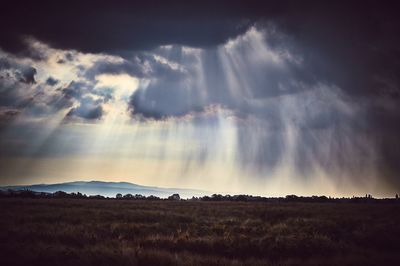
<point x="295" y="95"/>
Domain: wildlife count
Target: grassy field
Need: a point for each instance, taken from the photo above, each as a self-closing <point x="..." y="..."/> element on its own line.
<point x="122" y="232"/>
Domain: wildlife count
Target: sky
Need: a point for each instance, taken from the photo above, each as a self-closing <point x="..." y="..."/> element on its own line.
<point x="244" y="97"/>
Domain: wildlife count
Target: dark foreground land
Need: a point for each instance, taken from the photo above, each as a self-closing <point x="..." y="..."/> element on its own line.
<point x="123" y="232"/>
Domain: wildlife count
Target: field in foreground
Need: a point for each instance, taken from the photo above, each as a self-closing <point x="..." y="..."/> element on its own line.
<point x="123" y="232"/>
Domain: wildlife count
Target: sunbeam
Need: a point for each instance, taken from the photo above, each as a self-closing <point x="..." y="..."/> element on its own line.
<point x="235" y="118"/>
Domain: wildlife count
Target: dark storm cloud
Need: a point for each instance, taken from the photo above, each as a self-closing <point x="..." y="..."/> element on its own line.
<point x="353" y="45"/>
<point x="356" y="52"/>
<point x="140" y="65"/>
<point x="24" y="73"/>
<point x="172" y="104"/>
<point x="133" y="68"/>
<point x="128" y="25"/>
<point x="185" y="82"/>
<point x="21" y="93"/>
<point x="76" y="89"/>
<point x="52" y="81"/>
<point x="27" y="75"/>
<point x="82" y="93"/>
<point x="15" y="82"/>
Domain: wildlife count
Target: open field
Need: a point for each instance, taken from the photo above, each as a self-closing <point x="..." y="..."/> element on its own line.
<point x="123" y="232"/>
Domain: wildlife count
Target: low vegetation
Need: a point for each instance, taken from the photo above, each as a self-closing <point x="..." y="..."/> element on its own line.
<point x="70" y="231"/>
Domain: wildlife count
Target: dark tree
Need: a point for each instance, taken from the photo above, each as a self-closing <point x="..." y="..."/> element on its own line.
<point x="174" y="197"/>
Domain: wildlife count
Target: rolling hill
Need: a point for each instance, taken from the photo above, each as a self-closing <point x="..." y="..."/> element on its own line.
<point x="108" y="189"/>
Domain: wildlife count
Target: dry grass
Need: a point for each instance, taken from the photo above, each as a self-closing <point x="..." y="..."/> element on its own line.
<point x="118" y="232"/>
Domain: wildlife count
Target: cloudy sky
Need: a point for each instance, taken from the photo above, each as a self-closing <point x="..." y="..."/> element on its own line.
<point x="260" y="97"/>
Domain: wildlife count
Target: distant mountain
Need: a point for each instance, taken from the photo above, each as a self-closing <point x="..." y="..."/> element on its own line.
<point x="109" y="189"/>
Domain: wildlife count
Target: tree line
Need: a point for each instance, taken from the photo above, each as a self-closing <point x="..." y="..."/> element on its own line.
<point x="215" y="197"/>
